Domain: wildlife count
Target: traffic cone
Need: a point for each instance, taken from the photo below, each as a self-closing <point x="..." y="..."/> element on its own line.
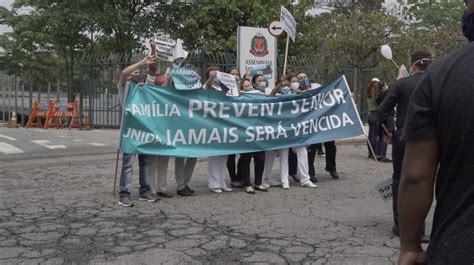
<point x="85" y="124"/>
<point x="13" y="121"/>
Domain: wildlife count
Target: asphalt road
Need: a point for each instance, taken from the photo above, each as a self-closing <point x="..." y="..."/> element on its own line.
<point x="56" y="207"/>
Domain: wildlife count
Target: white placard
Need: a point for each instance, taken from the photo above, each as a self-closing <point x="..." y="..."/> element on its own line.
<point x="256" y="46"/>
<point x="169" y="49"/>
<point x="384" y="189"/>
<point x="229" y="81"/>
<point x="288" y="22"/>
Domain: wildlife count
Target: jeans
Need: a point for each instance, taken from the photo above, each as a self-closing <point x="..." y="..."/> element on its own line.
<point x="127" y="173"/>
<point x="377" y="142"/>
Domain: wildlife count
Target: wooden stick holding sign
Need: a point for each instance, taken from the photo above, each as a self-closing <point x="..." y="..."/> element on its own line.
<point x="373" y="154"/>
<point x="286" y="54"/>
<point x="385" y="187"/>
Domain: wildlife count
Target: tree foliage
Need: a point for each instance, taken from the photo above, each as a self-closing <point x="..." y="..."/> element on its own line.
<point x="55" y="34"/>
<point x="434" y="26"/>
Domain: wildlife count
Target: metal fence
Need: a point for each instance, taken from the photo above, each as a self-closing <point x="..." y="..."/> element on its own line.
<point x="95" y="86"/>
<point x="99" y="74"/>
<point x="17" y="95"/>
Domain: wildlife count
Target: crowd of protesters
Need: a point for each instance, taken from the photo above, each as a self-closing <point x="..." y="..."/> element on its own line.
<point x="297" y="162"/>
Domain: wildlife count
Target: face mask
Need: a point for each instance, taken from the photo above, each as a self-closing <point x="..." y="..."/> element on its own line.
<point x="159" y="80"/>
<point x="262" y="85"/>
<point x="285" y="90"/>
<point x="138" y="78"/>
<point x="295" y="85"/>
<point x="304" y="84"/>
<point x="468" y="25"/>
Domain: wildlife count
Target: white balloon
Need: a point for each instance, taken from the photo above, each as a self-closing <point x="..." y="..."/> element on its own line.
<point x="386" y="52"/>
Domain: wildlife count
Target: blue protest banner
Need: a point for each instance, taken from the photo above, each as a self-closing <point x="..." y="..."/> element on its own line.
<point x="185" y="78"/>
<point x="198" y="123"/>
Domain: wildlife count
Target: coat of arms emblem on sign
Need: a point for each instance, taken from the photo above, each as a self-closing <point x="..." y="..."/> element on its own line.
<point x="258" y="45"/>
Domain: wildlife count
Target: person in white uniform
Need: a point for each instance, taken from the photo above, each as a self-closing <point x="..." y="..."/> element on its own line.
<point x="217" y="165"/>
<point x="283" y="87"/>
<point x="291" y="86"/>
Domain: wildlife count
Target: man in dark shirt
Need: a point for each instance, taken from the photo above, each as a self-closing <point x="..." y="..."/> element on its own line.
<point x="399" y="95"/>
<point x="440" y="136"/>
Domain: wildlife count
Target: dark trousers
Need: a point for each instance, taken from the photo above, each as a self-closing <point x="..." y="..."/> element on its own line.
<point x="292" y="163"/>
<point x="243" y="167"/>
<point x="398" y="152"/>
<point x="376" y="140"/>
<point x="330" y="157"/>
<point x="231" y="168"/>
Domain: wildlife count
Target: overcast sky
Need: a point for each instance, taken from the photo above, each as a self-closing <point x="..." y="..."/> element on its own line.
<point x="5" y="3"/>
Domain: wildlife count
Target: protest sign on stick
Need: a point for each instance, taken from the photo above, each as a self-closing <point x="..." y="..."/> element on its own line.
<point x="170" y="50"/>
<point x="289" y="25"/>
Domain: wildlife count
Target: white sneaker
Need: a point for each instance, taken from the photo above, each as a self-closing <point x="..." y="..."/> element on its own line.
<point x="216" y="190"/>
<point x="309" y="184"/>
<point x="285" y="186"/>
<point x="261" y="188"/>
<point x="265" y="185"/>
<point x="227" y="189"/>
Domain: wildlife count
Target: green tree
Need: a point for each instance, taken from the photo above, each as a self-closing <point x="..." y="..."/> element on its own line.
<point x="56" y="26"/>
<point x="213" y="25"/>
<point x="26" y="52"/>
<point x="434" y="26"/>
<point x="354" y="36"/>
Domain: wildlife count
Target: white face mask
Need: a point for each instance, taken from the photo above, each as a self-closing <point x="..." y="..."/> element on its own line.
<point x="295" y="85"/>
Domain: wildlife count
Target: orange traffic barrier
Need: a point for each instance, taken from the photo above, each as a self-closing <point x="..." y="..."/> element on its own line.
<point x="39" y="111"/>
<point x="75" y="122"/>
<point x="58" y="111"/>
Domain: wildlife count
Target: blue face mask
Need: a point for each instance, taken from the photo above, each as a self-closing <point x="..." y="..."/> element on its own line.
<point x="468" y="25"/>
<point x="304" y="84"/>
<point x="285" y="90"/>
<point x="262" y="85"/>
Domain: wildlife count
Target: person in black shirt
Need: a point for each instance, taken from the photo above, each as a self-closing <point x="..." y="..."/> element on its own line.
<point x="440" y="135"/>
<point x="399" y="96"/>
